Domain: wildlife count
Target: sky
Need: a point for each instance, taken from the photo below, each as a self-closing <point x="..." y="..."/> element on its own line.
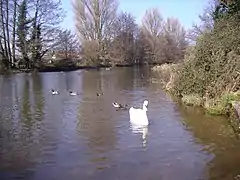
<point x="186" y="11"/>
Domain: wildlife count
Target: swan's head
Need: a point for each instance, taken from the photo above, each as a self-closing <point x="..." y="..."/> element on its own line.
<point x="145" y="105"/>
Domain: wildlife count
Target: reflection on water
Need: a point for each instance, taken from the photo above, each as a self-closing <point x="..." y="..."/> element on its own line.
<point x="83" y="137"/>
<point x="218" y="138"/>
<point x="143" y="130"/>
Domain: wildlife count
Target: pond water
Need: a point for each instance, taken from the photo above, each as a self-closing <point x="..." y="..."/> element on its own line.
<point x="45" y="136"/>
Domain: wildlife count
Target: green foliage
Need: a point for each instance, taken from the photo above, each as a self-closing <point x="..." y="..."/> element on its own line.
<point x="221" y="106"/>
<point x="234" y="7"/>
<point x="220" y="11"/>
<point x="192" y="100"/>
<point x="212" y="66"/>
<point x="22" y="31"/>
<point x="227" y="8"/>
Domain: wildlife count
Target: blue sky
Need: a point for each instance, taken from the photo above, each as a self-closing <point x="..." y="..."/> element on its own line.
<point x="186" y="11"/>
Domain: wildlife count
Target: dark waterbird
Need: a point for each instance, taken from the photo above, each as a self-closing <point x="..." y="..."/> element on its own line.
<point x="99" y="94"/>
<point x="71" y="93"/>
<point x="120" y="106"/>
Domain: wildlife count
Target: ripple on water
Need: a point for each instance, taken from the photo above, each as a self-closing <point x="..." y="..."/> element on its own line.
<point x="84" y="137"/>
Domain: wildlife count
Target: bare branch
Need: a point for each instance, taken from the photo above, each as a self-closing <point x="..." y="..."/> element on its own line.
<point x="153" y="22"/>
<point x="94" y="18"/>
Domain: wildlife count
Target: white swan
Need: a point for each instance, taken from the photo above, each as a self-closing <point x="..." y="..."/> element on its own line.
<point x="54" y="92"/>
<point x="139" y="116"/>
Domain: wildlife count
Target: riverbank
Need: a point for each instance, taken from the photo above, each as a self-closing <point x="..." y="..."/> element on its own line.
<point x="226" y="104"/>
<point x="70" y="66"/>
<point x="66" y="68"/>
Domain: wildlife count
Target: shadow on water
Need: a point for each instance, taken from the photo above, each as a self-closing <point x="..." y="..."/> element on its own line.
<point x="45" y="136"/>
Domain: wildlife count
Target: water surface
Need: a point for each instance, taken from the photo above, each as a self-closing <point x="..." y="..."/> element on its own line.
<point x="83" y="137"/>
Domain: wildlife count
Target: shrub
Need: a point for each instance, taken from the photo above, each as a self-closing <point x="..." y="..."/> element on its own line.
<point x="167" y="73"/>
<point x="192" y="100"/>
<point x="212" y="67"/>
<point x="221" y="106"/>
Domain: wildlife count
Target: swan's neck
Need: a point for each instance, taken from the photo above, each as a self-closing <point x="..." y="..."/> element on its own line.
<point x="144" y="108"/>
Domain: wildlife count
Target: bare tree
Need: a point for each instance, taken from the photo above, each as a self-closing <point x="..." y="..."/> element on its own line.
<point x="27" y="29"/>
<point x="7" y="30"/>
<point x="141" y="48"/>
<point x="175" y="35"/>
<point x="5" y="44"/>
<point x="94" y="18"/>
<point x="46" y="15"/>
<point x="152" y="27"/>
<point x="8" y="10"/>
<point x="174" y="29"/>
<point x="161" y="41"/>
<point x="206" y="21"/>
<point x="152" y="22"/>
<point x="68" y="44"/>
<point x="124" y="34"/>
<point x="90" y="52"/>
<point x="14" y="21"/>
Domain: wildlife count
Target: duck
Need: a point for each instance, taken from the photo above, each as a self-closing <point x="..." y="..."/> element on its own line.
<point x="99" y="94"/>
<point x="119" y="106"/>
<point x="139" y="116"/>
<point x="73" y="93"/>
<point x="54" y="92"/>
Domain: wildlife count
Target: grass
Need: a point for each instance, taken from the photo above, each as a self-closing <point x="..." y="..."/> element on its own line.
<point x="222" y="105"/>
<point x="192" y="100"/>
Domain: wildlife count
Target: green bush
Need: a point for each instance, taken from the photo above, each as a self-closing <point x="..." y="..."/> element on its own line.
<point x="192" y="100"/>
<point x="212" y="67"/>
<point x="221" y="106"/>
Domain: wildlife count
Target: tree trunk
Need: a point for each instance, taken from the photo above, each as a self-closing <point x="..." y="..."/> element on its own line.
<point x="14" y="33"/>
<point x="6" y="58"/>
<point x="8" y="34"/>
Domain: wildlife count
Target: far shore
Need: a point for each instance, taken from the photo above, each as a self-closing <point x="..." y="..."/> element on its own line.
<point x="51" y="68"/>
